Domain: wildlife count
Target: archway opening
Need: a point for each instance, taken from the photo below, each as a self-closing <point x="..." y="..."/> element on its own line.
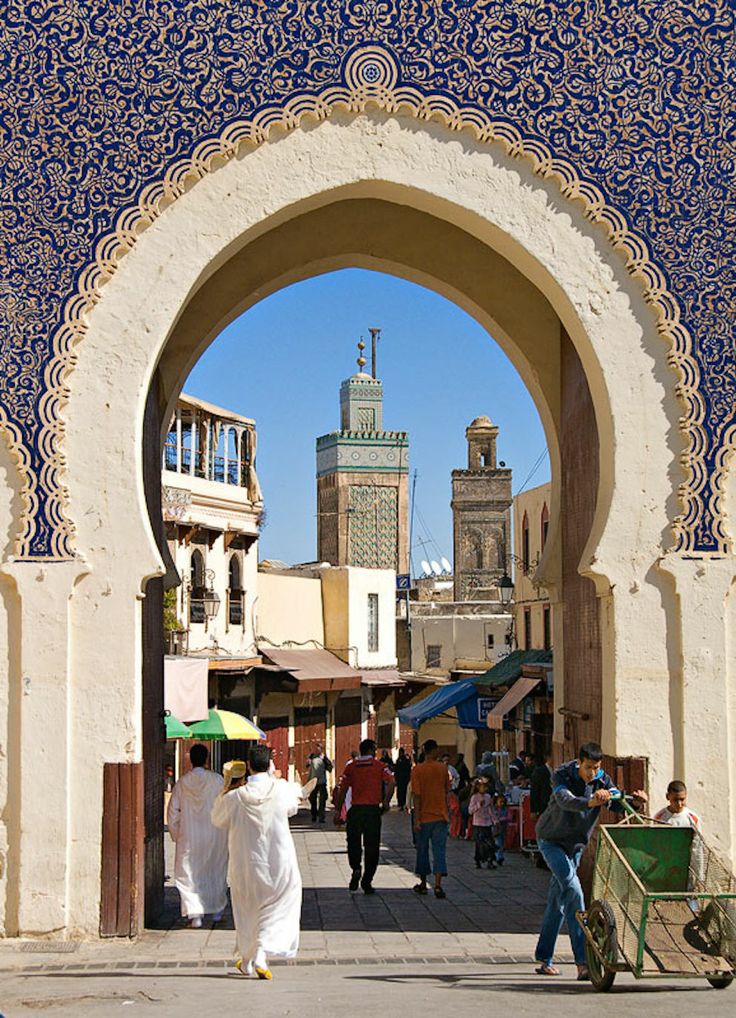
<point x="558" y="381"/>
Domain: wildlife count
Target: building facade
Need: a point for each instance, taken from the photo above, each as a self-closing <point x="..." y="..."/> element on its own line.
<point x="212" y="507"/>
<point x="533" y="613"/>
<point x="481" y="516"/>
<point x="363" y="484"/>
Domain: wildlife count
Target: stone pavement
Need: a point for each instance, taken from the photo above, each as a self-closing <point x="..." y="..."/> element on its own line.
<point x="392" y="950"/>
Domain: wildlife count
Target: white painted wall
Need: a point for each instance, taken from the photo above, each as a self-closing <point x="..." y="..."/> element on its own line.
<point x="289" y="610"/>
<point x="345" y="591"/>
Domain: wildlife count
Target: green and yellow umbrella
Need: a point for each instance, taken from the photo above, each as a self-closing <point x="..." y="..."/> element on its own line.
<point x="175" y="729"/>
<point x="225" y="724"/>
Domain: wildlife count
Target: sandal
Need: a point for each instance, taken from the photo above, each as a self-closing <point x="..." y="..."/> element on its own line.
<point x="420" y="888"/>
<point x="583" y="975"/>
<point x="547" y="970"/>
<point x="439" y="893"/>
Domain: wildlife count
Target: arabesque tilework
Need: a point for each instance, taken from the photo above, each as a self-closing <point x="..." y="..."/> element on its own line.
<point x="106" y="110"/>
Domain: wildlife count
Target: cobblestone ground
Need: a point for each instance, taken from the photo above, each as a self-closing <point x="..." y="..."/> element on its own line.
<point x="493" y="912"/>
<point x="393" y="950"/>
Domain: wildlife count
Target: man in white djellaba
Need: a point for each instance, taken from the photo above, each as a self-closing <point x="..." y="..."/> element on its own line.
<point x="264" y="877"/>
<point x="200" y="872"/>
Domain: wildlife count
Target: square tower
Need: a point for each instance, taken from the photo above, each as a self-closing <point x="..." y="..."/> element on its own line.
<point x="363" y="484"/>
<point x="481" y="517"/>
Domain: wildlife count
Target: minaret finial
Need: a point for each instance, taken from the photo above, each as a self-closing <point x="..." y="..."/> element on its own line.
<point x="375" y="336"/>
<point x="361" y="358"/>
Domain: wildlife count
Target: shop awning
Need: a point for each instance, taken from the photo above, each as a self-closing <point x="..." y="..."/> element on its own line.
<point x="521" y="688"/>
<point x="436" y="703"/>
<point x="382" y="677"/>
<point x="508" y="669"/>
<point x="315" y="670"/>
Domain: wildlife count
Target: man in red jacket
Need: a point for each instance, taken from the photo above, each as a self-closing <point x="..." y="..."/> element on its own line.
<point x="372" y="785"/>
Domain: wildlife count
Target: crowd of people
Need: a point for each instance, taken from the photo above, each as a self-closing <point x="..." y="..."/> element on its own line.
<point x="233" y="830"/>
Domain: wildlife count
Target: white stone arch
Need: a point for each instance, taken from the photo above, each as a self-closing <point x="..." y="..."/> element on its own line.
<point x="148" y="327"/>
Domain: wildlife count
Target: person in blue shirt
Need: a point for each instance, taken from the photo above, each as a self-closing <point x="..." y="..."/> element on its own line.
<point x="579" y="789"/>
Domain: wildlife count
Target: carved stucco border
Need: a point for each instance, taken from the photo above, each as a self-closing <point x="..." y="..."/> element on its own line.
<point x="393" y="100"/>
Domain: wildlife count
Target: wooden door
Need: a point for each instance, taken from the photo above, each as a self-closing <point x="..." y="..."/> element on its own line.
<point x="123" y="862"/>
<point x="309" y="732"/>
<point x="348" y="717"/>
<point x="277" y="737"/>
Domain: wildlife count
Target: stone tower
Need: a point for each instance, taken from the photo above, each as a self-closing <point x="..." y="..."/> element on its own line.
<point x="481" y="517"/>
<point x="363" y="483"/>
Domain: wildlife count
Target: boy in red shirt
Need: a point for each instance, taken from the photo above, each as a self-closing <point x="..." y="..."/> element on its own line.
<point x="372" y="785"/>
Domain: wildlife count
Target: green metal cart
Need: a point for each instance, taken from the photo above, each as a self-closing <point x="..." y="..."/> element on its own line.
<point x="663" y="904"/>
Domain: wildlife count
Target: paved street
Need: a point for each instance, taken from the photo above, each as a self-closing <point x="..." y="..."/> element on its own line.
<point x="355" y="952"/>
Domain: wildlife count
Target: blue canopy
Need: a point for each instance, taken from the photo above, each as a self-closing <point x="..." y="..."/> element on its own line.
<point x="437" y="703"/>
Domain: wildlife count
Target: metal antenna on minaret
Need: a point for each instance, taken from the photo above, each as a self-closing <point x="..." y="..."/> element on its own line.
<point x="361" y="358"/>
<point x="375" y="336"/>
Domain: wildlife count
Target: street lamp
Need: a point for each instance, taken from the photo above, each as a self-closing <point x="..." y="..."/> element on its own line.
<point x="506" y="588"/>
<point x="211" y="603"/>
<point x="211" y="599"/>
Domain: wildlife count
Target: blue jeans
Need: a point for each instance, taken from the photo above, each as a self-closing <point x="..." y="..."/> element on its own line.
<point x="500" y="844"/>
<point x="434" y="834"/>
<point x="563" y="901"/>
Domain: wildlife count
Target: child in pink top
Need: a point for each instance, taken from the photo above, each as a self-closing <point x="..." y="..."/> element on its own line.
<point x="483" y="814"/>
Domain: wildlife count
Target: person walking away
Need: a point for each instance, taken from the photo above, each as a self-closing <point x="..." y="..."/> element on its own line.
<point x="430" y="785"/>
<point x="481" y="810"/>
<point x="501" y="822"/>
<point x="320" y="766"/>
<point x="402" y="775"/>
<point x="463" y="773"/>
<point x="265" y="883"/>
<point x="371" y="785"/>
<point x="579" y="789"/>
<point x="487" y="769"/>
<point x="200" y="872"/>
<point x="540" y="791"/>
<point x="540" y="785"/>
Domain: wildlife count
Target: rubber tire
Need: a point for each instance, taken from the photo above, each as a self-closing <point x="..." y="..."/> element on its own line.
<point x="602" y="915"/>
<point x="720" y="982"/>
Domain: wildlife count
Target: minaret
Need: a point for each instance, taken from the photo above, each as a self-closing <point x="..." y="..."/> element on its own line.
<point x="363" y="480"/>
<point x="481" y="517"/>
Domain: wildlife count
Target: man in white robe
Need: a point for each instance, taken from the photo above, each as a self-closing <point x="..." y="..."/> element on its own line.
<point x="200" y="871"/>
<point x="265" y="883"/>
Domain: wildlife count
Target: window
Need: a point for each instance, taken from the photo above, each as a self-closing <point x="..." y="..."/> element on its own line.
<point x="527" y="629"/>
<point x="366" y="418"/>
<point x="490" y="641"/>
<point x="434" y="655"/>
<point x="372" y="623"/>
<point x="547" y="624"/>
<point x="545" y="524"/>
<point x="525" y="544"/>
<point x="235" y="593"/>
<point x="196" y="594"/>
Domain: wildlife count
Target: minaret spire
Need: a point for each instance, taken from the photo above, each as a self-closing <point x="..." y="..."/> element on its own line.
<point x="361" y="358"/>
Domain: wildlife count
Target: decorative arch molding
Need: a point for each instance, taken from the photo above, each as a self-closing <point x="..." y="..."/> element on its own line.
<point x="369" y="75"/>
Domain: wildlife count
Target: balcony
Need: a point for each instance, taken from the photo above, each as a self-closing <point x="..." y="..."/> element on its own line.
<point x="218" y="470"/>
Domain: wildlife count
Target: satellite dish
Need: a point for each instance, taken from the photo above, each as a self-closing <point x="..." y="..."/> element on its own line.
<point x="446" y="565"/>
<point x="436" y="571"/>
<point x="426" y="568"/>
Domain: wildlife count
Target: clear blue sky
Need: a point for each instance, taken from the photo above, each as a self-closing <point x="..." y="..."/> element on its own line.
<point x="282" y="363"/>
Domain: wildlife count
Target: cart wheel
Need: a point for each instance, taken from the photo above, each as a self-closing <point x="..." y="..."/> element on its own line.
<point x="602" y="926"/>
<point x="720" y="982"/>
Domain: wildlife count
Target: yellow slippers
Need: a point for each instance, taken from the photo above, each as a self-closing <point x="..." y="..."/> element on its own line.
<point x="264" y="973"/>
